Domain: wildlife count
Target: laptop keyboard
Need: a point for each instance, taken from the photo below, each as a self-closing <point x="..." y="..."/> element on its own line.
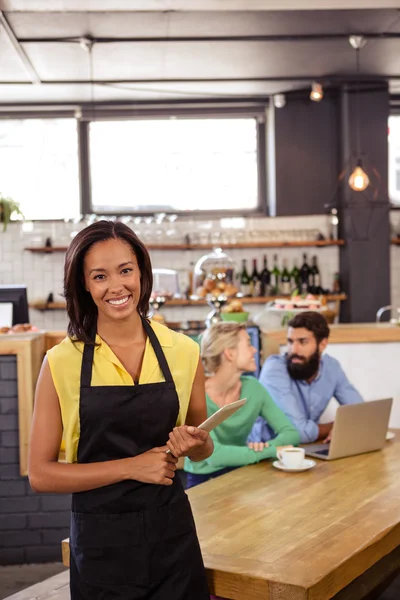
<point x="323" y="452"/>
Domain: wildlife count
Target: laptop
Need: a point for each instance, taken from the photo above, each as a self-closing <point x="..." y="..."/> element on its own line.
<point x="358" y="428"/>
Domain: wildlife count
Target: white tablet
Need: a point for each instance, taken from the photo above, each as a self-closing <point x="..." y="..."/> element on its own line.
<point x="219" y="417"/>
<point x="223" y="413"/>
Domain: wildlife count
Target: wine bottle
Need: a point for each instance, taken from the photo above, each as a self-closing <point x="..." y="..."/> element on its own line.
<point x="314" y="277"/>
<point x="336" y="288"/>
<point x="244" y="280"/>
<point x="295" y="277"/>
<point x="304" y="275"/>
<point x="275" y="277"/>
<point x="255" y="282"/>
<point x="265" y="279"/>
<point x="285" y="279"/>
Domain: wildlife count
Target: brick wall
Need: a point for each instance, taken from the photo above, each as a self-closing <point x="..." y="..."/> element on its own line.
<point x="31" y="525"/>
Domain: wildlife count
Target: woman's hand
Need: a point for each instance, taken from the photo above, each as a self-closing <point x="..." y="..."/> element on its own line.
<point x="257" y="446"/>
<point x="187" y="441"/>
<point x="154" y="466"/>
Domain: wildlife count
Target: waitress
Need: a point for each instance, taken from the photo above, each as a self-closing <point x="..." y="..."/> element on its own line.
<point x="121" y="390"/>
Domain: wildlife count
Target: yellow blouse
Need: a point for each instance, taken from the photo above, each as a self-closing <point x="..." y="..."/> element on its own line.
<point x="65" y="361"/>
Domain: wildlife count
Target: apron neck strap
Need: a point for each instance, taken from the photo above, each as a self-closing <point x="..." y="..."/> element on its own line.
<point x="162" y="361"/>
<point x="88" y="353"/>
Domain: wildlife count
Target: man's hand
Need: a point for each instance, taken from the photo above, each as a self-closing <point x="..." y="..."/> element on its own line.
<point x="324" y="431"/>
<point x="187" y="441"/>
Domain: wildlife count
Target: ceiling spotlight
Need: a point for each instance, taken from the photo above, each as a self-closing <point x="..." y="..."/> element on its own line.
<point x="86" y="43"/>
<point x="279" y="100"/>
<point x="357" y="41"/>
<point x="317" y="93"/>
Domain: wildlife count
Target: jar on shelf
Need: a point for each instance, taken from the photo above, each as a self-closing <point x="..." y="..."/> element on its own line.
<point x="214" y="274"/>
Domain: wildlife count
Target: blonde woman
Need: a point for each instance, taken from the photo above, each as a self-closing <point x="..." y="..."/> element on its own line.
<point x="227" y="353"/>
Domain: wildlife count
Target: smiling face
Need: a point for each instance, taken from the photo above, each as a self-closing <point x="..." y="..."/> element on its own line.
<point x="112" y="277"/>
<point x="244" y="353"/>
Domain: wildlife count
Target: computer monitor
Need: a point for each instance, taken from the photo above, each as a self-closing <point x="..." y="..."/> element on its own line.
<point x="17" y="295"/>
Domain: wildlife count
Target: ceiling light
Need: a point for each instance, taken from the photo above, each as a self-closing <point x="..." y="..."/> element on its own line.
<point x="317" y="93"/>
<point x="279" y="100"/>
<point x="359" y="180"/>
<point x="357" y="41"/>
<point x="86" y="43"/>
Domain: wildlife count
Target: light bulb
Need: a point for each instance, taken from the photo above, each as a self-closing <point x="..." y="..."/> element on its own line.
<point x="279" y="100"/>
<point x="358" y="180"/>
<point x="317" y="93"/>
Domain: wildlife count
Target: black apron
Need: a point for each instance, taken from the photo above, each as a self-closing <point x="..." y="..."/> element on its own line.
<point x="131" y="540"/>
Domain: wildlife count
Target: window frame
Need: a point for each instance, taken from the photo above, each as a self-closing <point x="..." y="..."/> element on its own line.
<point x="85" y="114"/>
<point x="259" y="114"/>
<point x="43" y="114"/>
<point x="394" y="204"/>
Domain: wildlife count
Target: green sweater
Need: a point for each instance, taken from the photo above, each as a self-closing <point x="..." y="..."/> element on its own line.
<point x="230" y="438"/>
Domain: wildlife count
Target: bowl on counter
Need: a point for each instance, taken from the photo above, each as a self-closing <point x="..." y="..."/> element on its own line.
<point x="238" y="317"/>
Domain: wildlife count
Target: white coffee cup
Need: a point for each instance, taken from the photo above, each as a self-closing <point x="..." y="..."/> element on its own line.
<point x="291" y="458"/>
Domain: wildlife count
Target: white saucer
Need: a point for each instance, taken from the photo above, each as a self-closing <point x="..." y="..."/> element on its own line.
<point x="390" y="435"/>
<point x="307" y="464"/>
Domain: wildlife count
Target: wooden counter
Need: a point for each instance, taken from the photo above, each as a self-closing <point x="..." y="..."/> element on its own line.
<point x="29" y="349"/>
<point x="331" y="532"/>
<point x="342" y="333"/>
<point x="298" y="536"/>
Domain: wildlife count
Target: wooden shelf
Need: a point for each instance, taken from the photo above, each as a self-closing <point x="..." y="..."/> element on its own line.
<point x="318" y="244"/>
<point x="298" y="244"/>
<point x="47" y="305"/>
<point x="46" y="249"/>
<point x="183" y="302"/>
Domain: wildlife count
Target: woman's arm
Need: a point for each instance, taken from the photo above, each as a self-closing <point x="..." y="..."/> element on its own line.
<point x="188" y="440"/>
<point x="46" y="474"/>
<point x="286" y="432"/>
<point x="237" y="456"/>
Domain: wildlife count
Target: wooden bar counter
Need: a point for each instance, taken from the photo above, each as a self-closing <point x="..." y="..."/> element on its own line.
<point x="29" y="349"/>
<point x="341" y="333"/>
<point x="331" y="532"/>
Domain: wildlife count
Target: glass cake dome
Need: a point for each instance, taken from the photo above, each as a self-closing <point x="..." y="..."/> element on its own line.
<point x="214" y="274"/>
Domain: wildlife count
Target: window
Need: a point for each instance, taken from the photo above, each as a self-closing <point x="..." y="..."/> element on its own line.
<point x="39" y="166"/>
<point x="174" y="165"/>
<point x="394" y="159"/>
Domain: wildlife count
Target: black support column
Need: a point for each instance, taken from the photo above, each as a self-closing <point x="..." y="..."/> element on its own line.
<point x="364" y="216"/>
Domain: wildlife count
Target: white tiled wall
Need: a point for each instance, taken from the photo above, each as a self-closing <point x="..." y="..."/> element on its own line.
<point x="43" y="273"/>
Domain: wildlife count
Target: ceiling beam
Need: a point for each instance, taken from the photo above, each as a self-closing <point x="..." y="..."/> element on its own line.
<point x="211" y="38"/>
<point x="29" y="68"/>
<point x="189" y="5"/>
<point x="336" y="78"/>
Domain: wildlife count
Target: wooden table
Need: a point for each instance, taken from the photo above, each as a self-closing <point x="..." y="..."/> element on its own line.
<point x="333" y="530"/>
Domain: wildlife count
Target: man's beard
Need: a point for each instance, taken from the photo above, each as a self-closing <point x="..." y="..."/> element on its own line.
<point x="303" y="370"/>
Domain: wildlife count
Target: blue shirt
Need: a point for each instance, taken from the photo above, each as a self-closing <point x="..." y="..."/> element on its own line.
<point x="303" y="402"/>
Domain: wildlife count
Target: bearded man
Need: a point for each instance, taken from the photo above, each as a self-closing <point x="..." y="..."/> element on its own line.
<point x="303" y="381"/>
